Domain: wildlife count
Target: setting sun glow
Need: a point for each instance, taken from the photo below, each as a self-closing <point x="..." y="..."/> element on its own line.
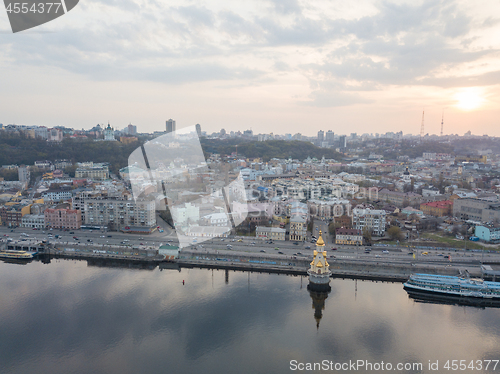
<point x="469" y="99"/>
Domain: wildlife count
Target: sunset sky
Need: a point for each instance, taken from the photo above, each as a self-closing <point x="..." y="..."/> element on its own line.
<point x="274" y="66"/>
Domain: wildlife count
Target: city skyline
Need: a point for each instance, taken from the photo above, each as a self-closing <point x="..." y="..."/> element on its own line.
<point x="282" y="67"/>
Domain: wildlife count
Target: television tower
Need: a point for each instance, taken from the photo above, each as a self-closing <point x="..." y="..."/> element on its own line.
<point x="422" y="126"/>
<point x="442" y="122"/>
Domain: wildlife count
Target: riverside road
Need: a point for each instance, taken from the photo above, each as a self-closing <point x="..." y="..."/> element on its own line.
<point x="250" y="245"/>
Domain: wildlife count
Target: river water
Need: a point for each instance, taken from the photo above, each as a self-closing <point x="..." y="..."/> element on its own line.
<point x="68" y="317"/>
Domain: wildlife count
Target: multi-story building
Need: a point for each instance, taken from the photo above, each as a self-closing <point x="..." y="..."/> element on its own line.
<point x="476" y="210"/>
<point x="328" y="209"/>
<point x="55" y="135"/>
<point x="330" y="137"/>
<point x="131" y="129"/>
<point x="62" y="164"/>
<point x="95" y="172"/>
<point x="321" y="137"/>
<point x="437" y="208"/>
<point x="348" y="236"/>
<point x="273" y="233"/>
<point x="118" y="213"/>
<point x="373" y="219"/>
<point x="58" y="195"/>
<point x="170" y="125"/>
<point x="400" y="199"/>
<point x="344" y="221"/>
<point x="41" y="132"/>
<point x="11" y="216"/>
<point x="298" y="228"/>
<point x="35" y="221"/>
<point x="342" y="142"/>
<point x="183" y="215"/>
<point x="63" y="218"/>
<point x="488" y="233"/>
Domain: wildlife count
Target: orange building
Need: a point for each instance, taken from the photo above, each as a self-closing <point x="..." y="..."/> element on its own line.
<point x="437" y="208"/>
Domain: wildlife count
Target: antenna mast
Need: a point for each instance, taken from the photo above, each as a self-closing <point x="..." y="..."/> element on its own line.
<point x="422" y="126"/>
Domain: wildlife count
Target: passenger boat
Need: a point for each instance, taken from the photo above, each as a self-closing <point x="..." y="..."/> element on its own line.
<point x="8" y="254"/>
<point x="454" y="290"/>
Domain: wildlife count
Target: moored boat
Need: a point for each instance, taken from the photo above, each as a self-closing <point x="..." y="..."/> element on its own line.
<point x="452" y="289"/>
<point x="8" y="254"/>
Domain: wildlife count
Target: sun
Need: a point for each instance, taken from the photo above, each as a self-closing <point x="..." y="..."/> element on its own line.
<point x="469" y="98"/>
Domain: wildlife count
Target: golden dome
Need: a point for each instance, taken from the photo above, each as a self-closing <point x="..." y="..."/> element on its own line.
<point x="319" y="265"/>
<point x="320" y="242"/>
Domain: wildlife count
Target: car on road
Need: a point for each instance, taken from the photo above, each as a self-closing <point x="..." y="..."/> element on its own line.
<point x="89" y="240"/>
<point x="385" y="251"/>
<point x="296" y="243"/>
<point x="446" y="256"/>
<point x="277" y="248"/>
<point x="307" y="247"/>
<point x="263" y="251"/>
<point x="299" y="253"/>
<point x="280" y="252"/>
<point x="110" y="236"/>
<point x="74" y="237"/>
<point x="240" y="240"/>
<point x="425" y="253"/>
<point x="334" y="248"/>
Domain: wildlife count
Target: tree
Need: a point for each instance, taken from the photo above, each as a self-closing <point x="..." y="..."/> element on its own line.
<point x="394" y="233"/>
<point x="367" y="235"/>
<point x="332" y="227"/>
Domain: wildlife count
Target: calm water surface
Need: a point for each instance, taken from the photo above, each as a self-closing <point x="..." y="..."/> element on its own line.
<point x="68" y="317"/>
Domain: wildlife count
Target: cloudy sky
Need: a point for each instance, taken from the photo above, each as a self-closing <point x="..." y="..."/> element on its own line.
<point x="282" y="66"/>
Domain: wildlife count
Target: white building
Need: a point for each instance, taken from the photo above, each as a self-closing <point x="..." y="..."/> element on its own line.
<point x="109" y="134"/>
<point x="55" y="135"/>
<point x="373" y="219"/>
<point x="274" y="233"/>
<point x="187" y="213"/>
<point x="216" y="219"/>
<point x="57" y="195"/>
<point x="33" y="221"/>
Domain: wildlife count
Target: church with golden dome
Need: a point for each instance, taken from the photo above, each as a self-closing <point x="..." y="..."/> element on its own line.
<point x="319" y="272"/>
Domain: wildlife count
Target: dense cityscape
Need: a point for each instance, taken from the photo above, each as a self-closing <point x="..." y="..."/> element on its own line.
<point x="445" y="193"/>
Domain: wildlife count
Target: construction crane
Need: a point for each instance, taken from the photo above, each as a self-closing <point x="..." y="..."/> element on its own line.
<point x="442" y="123"/>
<point x="422" y="126"/>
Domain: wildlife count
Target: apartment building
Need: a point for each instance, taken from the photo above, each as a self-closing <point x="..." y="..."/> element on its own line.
<point x="119" y="212"/>
<point x="35" y="221"/>
<point x="298" y="228"/>
<point x="273" y="233"/>
<point x="63" y="218"/>
<point x="348" y="236"/>
<point x="373" y="219"/>
<point x="95" y="172"/>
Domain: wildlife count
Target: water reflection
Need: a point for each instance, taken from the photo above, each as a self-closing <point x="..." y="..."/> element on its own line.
<point x="69" y="317"/>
